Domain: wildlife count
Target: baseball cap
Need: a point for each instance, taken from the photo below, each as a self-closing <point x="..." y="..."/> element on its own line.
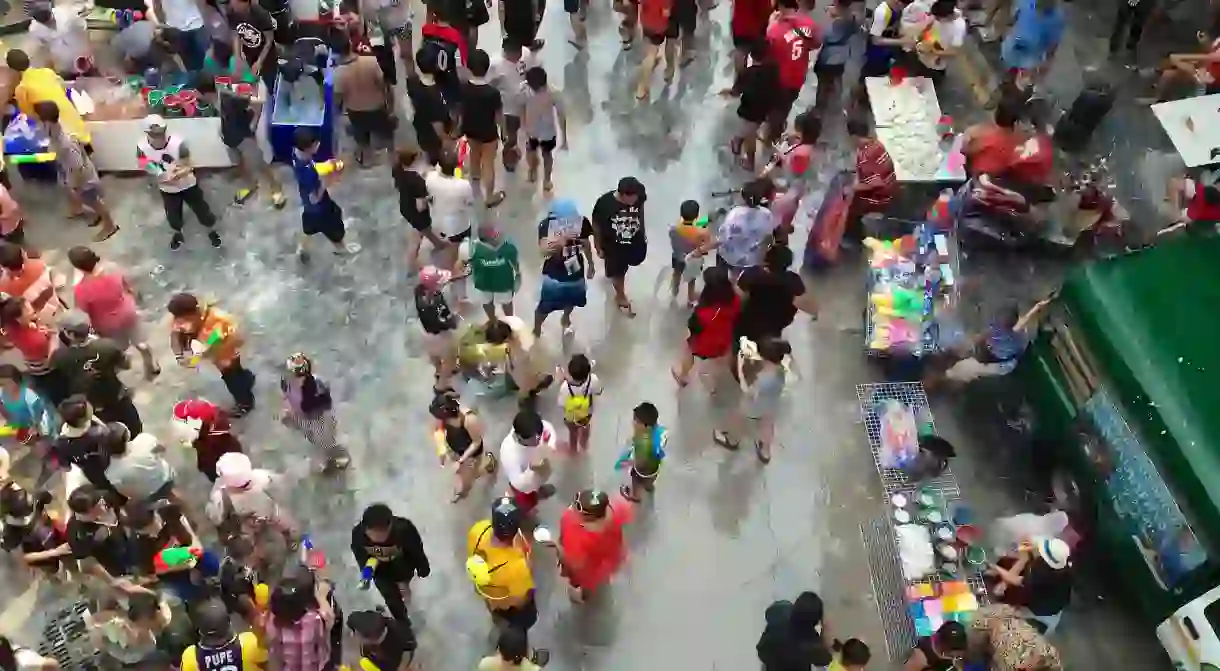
<point x="234" y="470"/>
<point x="505" y="517"/>
<point x="154" y="122"/>
<point x="432" y="277"/>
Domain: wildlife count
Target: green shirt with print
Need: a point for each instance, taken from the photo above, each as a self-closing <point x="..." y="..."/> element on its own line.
<point x="494" y="268"/>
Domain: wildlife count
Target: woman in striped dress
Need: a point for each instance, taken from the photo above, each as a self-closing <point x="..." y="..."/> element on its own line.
<point x="308" y="408"/>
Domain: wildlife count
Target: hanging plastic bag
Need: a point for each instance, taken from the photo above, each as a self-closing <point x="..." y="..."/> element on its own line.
<point x="899" y="434"/>
<point x="931" y="460"/>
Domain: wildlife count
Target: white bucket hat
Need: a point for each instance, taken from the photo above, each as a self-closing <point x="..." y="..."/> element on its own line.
<point x="1054" y="552"/>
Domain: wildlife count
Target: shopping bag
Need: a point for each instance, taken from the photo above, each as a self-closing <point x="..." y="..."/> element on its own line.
<point x="822" y="246"/>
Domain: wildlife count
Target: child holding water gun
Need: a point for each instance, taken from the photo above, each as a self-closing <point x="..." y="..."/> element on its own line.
<point x="578" y="385"/>
<point x="646" y="452"/>
<point x="685" y="238"/>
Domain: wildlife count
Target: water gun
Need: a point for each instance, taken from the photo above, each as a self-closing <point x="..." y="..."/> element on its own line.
<point x="154" y="168"/>
<point x="200" y="348"/>
<point x="175" y="558"/>
<point x="438" y="439"/>
<point x="311" y="556"/>
<point x="463" y="150"/>
<point x="366" y="572"/>
<point x="262" y="596"/>
<point x="40" y="157"/>
<point x="939" y="212"/>
<point x="328" y="167"/>
<point x="898" y="302"/>
<point x="7" y="431"/>
<point x="366" y="664"/>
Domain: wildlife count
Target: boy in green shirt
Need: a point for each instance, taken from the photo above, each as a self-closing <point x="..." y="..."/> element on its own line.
<point x="495" y="270"/>
<point x="646" y="452"/>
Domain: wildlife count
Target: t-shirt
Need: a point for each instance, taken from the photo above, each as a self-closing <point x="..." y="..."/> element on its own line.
<point x="397" y="643"/>
<point x="496" y="663"/>
<point x="620" y="226"/>
<point x="836" y="47"/>
<point x="182" y="14"/>
<point x="140" y="471"/>
<point x="589" y="388"/>
<point x="236" y="118"/>
<point x="743" y="235"/>
<point x="1034" y="35"/>
<point x="104" y="543"/>
<point x="135" y="42"/>
<point x="949" y="34"/>
<point x="430" y="107"/>
<point x="452" y="203"/>
<point x="540" y="118"/>
<point x="245" y="647"/>
<point x="875" y="169"/>
<point x="591" y="557"/>
<point x="433" y="311"/>
<point x="308" y="182"/>
<point x="749" y="18"/>
<point x="444" y="46"/>
<point x="769" y="304"/>
<point x="494" y="269"/>
<point x="66" y="41"/>
<point x="1049" y="590"/>
<point x="481" y="104"/>
<point x="253" y="29"/>
<point x="991" y="151"/>
<point x="511" y="579"/>
<point x="509" y="77"/>
<point x="567" y="264"/>
<point x="411" y="190"/>
<point x="402" y="550"/>
<point x="790" y="38"/>
<point x="784" y="648"/>
<point x="93" y="369"/>
<point x="360" y="84"/>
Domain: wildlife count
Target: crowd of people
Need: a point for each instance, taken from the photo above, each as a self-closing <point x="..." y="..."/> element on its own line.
<point x="167" y="579"/>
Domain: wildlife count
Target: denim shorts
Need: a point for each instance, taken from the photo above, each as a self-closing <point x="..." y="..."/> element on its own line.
<point x="558" y="295"/>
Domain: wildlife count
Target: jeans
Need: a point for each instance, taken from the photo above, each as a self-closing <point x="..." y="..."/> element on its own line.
<point x="194" y="198"/>
<point x="240" y="383"/>
<point x="193" y="48"/>
<point x="389" y="580"/>
<point x="1133" y="19"/>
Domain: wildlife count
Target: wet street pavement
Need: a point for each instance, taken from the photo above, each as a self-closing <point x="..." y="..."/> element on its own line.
<point x="724" y="536"/>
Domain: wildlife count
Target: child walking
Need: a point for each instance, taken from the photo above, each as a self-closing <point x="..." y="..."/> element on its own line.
<point x="439" y="323"/>
<point x="308" y="408"/>
<point x="687" y="235"/>
<point x="543" y="108"/>
<point x="495" y="270"/>
<point x="645" y="454"/>
<point x="319" y="212"/>
<point x="577" y="387"/>
<point x="762" y="370"/>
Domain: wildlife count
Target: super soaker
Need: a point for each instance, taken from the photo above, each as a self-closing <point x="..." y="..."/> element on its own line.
<point x="310" y="556"/>
<point x="366" y="572"/>
<point x="328" y="167"/>
<point x="174" y="558"/>
<point x="200" y="348"/>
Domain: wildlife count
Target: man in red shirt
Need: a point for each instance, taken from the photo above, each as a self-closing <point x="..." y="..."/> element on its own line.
<point x="655" y="21"/>
<point x="790" y="37"/>
<point x="749" y="27"/>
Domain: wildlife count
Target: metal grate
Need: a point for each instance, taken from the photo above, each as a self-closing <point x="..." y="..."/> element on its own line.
<point x="889" y="587"/>
<point x="65" y="639"/>
<point x="894" y="480"/>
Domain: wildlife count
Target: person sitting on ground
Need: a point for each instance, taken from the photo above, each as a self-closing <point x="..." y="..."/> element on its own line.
<point x="996" y="351"/>
<point x="1038" y="578"/>
<point x="942" y="651"/>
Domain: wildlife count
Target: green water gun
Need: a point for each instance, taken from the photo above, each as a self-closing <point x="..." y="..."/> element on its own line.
<point x="200" y="348"/>
<point x="174" y="558"/>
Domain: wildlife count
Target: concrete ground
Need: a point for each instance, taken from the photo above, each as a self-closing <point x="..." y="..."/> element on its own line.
<point x="724" y="537"/>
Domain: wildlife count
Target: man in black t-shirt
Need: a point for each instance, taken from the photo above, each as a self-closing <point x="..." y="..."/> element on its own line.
<point x="254" y="39"/>
<point x="90" y="366"/>
<point x="618" y="232"/>
<point x="389" y="644"/>
<point x="567" y="262"/>
<point x="80" y="443"/>
<point x="433" y="104"/>
<point x="97" y="539"/>
<point x="395" y="544"/>
<point x="240" y="116"/>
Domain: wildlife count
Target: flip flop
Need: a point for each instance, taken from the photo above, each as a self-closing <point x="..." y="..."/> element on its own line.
<point x="278" y="201"/>
<point x="97" y="221"/>
<point x="626" y="309"/>
<point x="758" y="450"/>
<point x="625" y="492"/>
<point x="496" y="199"/>
<point x="721" y="438"/>
<point x="243" y="195"/>
<point x="107" y="236"/>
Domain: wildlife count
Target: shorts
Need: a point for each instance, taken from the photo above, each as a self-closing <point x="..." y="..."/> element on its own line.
<point x="366" y="124"/>
<point x="443" y="345"/>
<point x="512" y="128"/>
<point x="17" y="235"/>
<point x="971" y="369"/>
<point x="492" y="297"/>
<point x="556" y="295"/>
<point x="547" y="146"/>
<point x="829" y="69"/>
<point x="521" y="617"/>
<point x="617" y="264"/>
<point x="126" y="337"/>
<point x="679" y="26"/>
<point x="645" y="482"/>
<point x="784" y="100"/>
<point x="521" y="29"/>
<point x="746" y="42"/>
<point x="459" y="237"/>
<point x="576" y="7"/>
<point x="326" y="218"/>
<point x="526" y="501"/>
<point x="90" y="194"/>
<point x="247" y="151"/>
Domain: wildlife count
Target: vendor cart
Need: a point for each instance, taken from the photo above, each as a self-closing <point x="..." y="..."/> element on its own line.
<point x="913" y="607"/>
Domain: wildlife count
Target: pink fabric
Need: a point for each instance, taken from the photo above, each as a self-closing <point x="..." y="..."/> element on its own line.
<point x="10" y="212"/>
<point x="304" y="646"/>
<point x="104" y="297"/>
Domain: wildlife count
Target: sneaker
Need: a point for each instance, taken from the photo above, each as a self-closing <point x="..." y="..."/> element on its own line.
<point x="239" y="411"/>
<point x="347" y="248"/>
<point x="215" y="238"/>
<point x="176" y="241"/>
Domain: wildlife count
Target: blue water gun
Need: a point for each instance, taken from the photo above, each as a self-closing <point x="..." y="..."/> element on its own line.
<point x="366" y="572"/>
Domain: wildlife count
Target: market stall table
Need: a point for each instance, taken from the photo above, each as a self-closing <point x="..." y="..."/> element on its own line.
<point x="908" y="122"/>
<point x="911" y="607"/>
<point x="1193" y="126"/>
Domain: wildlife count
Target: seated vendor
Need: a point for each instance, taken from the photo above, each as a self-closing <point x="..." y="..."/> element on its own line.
<point x="994" y="352"/>
<point x="1038" y="579"/>
<point x="145" y="45"/>
<point x="1192" y="70"/>
<point x="42" y="84"/>
<point x="61" y="40"/>
<point x="990" y="147"/>
<point x="876" y="183"/>
<point x="1197" y="201"/>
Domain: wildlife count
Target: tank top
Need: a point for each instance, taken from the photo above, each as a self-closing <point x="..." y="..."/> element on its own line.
<point x="458" y="438"/>
<point x="160" y="160"/>
<point x="227" y="656"/>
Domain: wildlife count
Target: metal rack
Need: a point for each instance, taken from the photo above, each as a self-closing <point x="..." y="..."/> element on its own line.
<point x="66" y="640"/>
<point x="880" y="544"/>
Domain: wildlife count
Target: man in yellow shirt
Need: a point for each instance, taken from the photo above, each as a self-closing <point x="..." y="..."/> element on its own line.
<point x="498" y="562"/>
<point x="219" y="649"/>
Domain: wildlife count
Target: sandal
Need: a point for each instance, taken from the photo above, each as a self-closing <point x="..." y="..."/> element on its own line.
<point x="626" y="309"/>
<point x="104" y="235"/>
<point x="278" y="201"/>
<point x="97" y="220"/>
<point x="721" y="438"/>
<point x="496" y="199"/>
<point x="764" y="457"/>
<point x="625" y="491"/>
<point x="243" y="195"/>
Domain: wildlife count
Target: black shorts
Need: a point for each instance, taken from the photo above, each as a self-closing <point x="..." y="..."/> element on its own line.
<point x="746" y="42"/>
<point x="784" y="100"/>
<point x="366" y="124"/>
<point x="575" y="6"/>
<point x="521" y="29"/>
<point x="829" y="70"/>
<point x="460" y="237"/>
<point x="547" y="146"/>
<point x="617" y="263"/>
<point x="326" y="218"/>
<point x="519" y="617"/>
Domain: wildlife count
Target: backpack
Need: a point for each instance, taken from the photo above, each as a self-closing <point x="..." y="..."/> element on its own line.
<point x="577" y="408"/>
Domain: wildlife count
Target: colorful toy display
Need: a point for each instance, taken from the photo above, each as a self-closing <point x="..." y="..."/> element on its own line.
<point x="906" y="275"/>
<point x="932" y="604"/>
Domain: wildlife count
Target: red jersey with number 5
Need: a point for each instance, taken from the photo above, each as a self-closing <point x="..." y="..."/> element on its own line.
<point x="790" y="38"/>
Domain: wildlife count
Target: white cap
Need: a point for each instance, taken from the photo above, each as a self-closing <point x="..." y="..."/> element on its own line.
<point x="154" y="121"/>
